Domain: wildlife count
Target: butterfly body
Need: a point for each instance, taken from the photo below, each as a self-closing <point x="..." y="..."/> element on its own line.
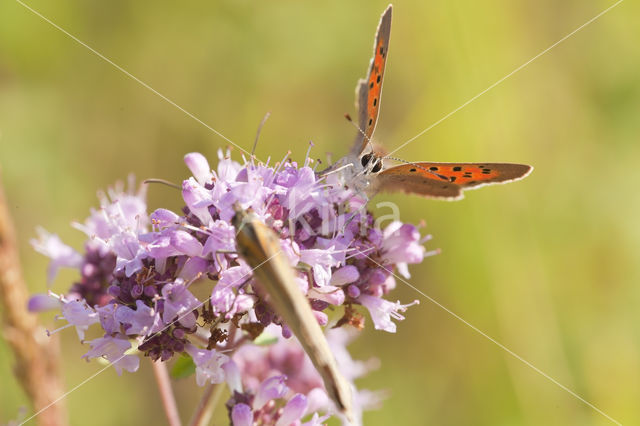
<point x="364" y="169"/>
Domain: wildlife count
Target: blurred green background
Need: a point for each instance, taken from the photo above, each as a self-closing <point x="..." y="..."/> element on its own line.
<point x="548" y="266"/>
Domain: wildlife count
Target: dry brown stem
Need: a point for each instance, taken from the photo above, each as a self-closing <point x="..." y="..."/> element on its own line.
<point x="36" y="355"/>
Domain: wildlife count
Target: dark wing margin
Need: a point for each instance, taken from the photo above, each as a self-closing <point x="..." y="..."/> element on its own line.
<point x="420" y="185"/>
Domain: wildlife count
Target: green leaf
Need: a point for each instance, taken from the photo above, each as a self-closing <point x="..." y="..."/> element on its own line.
<point x="183" y="367"/>
<point x="265" y="339"/>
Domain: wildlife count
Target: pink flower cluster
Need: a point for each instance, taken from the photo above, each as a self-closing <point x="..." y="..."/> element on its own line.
<point x="139" y="273"/>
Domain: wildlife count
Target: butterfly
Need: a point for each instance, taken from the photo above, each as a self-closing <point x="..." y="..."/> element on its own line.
<point x="364" y="169"/>
<point x="260" y="247"/>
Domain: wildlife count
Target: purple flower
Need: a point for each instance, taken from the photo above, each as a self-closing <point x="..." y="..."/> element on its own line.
<point x="158" y="244"/>
<point x="232" y="376"/>
<point x="117" y="224"/>
<point x="41" y="302"/>
<point x="79" y="315"/>
<point x="172" y="283"/>
<point x="165" y="218"/>
<point x="138" y="321"/>
<point x="108" y="322"/>
<point x="401" y="245"/>
<point x="318" y="401"/>
<point x="199" y="167"/>
<point x="293" y="411"/>
<point x="316" y="420"/>
<point x="322" y="261"/>
<point x="345" y="275"/>
<point x="263" y="407"/>
<point x="241" y="415"/>
<point x="330" y="294"/>
<point x="129" y="251"/>
<point x="179" y="304"/>
<point x="260" y="367"/>
<point x="225" y="298"/>
<point x="382" y="311"/>
<point x="272" y="388"/>
<point x="186" y="243"/>
<point x="197" y="199"/>
<point x="61" y="255"/>
<point x="209" y="364"/>
<point x="222" y="236"/>
<point x="119" y="211"/>
<point x="193" y="268"/>
<point x="113" y="350"/>
<point x="303" y="191"/>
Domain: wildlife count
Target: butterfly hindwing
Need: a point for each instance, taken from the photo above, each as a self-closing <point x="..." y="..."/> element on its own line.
<point x="446" y="180"/>
<point x="369" y="90"/>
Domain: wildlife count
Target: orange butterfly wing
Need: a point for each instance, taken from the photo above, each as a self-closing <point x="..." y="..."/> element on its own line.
<point x="446" y="180"/>
<point x="368" y="91"/>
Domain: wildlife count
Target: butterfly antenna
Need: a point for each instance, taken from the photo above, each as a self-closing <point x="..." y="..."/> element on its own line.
<point x="418" y="166"/>
<point x="255" y="143"/>
<point x="350" y="120"/>
<point x="163" y="182"/>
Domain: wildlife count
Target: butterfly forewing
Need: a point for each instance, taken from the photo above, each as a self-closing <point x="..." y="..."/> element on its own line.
<point x="446" y="180"/>
<point x="369" y="90"/>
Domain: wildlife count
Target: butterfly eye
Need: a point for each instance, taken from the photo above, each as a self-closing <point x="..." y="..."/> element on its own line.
<point x="377" y="167"/>
<point x="366" y="159"/>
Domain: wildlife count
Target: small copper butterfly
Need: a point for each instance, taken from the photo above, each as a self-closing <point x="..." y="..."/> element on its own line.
<point x="363" y="168"/>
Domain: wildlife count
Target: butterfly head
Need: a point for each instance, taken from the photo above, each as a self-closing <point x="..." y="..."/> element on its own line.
<point x="371" y="163"/>
<point x="359" y="172"/>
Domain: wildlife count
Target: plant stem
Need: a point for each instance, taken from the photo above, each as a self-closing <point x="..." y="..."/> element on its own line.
<point x="37" y="357"/>
<point x="207" y="404"/>
<point x="213" y="392"/>
<point x="166" y="392"/>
